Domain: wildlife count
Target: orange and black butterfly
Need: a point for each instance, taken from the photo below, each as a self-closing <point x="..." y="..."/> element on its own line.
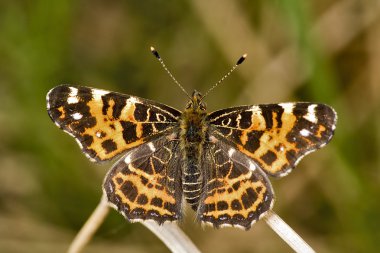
<point x="218" y="163"/>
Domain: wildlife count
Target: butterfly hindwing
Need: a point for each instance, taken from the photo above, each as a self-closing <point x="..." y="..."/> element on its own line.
<point x="275" y="136"/>
<point x="143" y="184"/>
<point x="105" y="123"/>
<point x="237" y="192"/>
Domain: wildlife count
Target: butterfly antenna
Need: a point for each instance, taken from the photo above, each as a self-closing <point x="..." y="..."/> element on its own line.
<point x="240" y="61"/>
<point x="155" y="53"/>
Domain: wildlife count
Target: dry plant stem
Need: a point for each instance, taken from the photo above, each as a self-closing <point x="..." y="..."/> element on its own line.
<point x="287" y="233"/>
<point x="90" y="227"/>
<point x="172" y="236"/>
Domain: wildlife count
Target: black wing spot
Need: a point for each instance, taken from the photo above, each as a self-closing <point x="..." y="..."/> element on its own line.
<point x="269" y="157"/>
<point x="129" y="190"/>
<point x="142" y="199"/>
<point x="109" y="146"/>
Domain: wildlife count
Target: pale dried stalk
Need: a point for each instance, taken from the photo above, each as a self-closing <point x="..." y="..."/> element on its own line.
<point x="90" y="227"/>
<point x="170" y="234"/>
<point x="174" y="238"/>
<point x="287" y="233"/>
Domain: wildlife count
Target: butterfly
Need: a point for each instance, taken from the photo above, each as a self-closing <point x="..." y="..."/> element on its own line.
<point x="217" y="162"/>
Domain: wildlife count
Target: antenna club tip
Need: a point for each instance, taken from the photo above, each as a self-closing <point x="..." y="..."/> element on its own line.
<point x="154" y="52"/>
<point x="241" y="59"/>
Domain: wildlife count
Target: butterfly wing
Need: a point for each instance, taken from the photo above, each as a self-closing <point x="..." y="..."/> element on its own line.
<point x="275" y="136"/>
<point x="237" y="192"/>
<point x="106" y="124"/>
<point x="144" y="183"/>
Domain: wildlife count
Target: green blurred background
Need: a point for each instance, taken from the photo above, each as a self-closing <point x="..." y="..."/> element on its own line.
<point x="322" y="51"/>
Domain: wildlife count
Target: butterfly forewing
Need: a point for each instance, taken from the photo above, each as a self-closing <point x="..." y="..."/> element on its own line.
<point x="275" y="136"/>
<point x="237" y="192"/>
<point x="143" y="184"/>
<point x="106" y="124"/>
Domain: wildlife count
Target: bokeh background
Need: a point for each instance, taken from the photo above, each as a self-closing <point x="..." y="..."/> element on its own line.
<point x="322" y="51"/>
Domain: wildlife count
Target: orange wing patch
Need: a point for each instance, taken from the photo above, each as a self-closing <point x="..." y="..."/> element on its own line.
<point x="274" y="145"/>
<point x="143" y="184"/>
<point x="105" y="123"/>
<point x="276" y="136"/>
<point x="142" y="197"/>
<point x="237" y="192"/>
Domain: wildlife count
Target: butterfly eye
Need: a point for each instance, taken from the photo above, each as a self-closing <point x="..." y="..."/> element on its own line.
<point x="188" y="106"/>
<point x="202" y="106"/>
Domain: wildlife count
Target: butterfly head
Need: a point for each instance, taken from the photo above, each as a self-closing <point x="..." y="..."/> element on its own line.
<point x="196" y="102"/>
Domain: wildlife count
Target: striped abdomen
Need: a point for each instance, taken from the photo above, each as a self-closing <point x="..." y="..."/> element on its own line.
<point x="192" y="137"/>
<point x="192" y="178"/>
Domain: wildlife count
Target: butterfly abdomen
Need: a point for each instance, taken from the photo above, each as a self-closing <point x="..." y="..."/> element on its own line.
<point x="192" y="139"/>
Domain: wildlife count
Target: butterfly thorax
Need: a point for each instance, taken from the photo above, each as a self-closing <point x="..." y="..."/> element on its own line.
<point x="192" y="138"/>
